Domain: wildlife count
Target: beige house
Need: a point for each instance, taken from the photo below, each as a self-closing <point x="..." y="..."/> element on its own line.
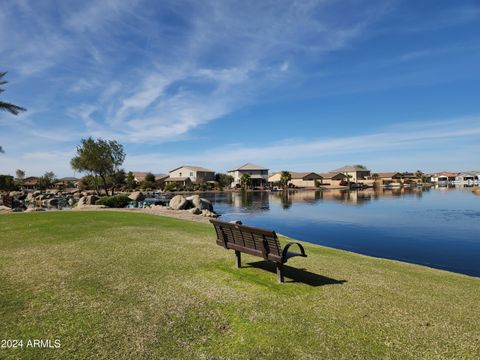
<point x="355" y="173"/>
<point x="196" y="174"/>
<point x="299" y="179"/>
<point x="181" y="181"/>
<point x="258" y="175"/>
<point x="333" y="179"/>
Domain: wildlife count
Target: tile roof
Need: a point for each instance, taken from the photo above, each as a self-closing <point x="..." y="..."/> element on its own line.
<point x="249" y="166"/>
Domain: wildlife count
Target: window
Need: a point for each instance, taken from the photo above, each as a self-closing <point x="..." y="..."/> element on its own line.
<point x="179" y="174"/>
<point x="191" y="173"/>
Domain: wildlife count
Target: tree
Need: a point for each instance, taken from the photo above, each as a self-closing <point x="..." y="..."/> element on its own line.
<point x="245" y="181"/>
<point x="131" y="184"/>
<point x="5" y="106"/>
<point x="285" y="178"/>
<point x="149" y="177"/>
<point x="117" y="179"/>
<point x="375" y="176"/>
<point x="47" y="180"/>
<point x="224" y="180"/>
<point x="99" y="158"/>
<point x="20" y="174"/>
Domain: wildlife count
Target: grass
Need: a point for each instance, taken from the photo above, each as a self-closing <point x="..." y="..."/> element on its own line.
<point x="114" y="285"/>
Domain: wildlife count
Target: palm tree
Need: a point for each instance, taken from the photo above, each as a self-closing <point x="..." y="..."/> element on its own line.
<point x="5" y="106"/>
<point x="285" y="178"/>
<point x="245" y="180"/>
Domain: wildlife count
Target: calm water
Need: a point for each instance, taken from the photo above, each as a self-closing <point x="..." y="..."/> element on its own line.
<point x="437" y="227"/>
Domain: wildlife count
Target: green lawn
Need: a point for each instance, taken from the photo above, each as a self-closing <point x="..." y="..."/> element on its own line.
<point x="115" y="285"/>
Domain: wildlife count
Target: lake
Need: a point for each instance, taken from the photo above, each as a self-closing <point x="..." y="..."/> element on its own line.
<point x="437" y="227"/>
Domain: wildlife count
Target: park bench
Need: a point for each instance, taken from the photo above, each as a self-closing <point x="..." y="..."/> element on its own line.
<point x="255" y="241"/>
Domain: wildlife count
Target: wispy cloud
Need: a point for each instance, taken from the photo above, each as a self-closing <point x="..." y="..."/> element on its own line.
<point x="443" y="136"/>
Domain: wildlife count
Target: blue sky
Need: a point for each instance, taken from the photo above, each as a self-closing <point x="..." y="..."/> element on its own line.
<point x="298" y="85"/>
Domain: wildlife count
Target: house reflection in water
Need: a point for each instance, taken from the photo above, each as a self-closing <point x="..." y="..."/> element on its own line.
<point x="260" y="201"/>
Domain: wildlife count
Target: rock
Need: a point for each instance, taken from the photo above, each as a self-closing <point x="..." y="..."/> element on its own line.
<point x="195" y="211"/>
<point x="33" y="209"/>
<point x="71" y="201"/>
<point x="236" y="222"/>
<point x="52" y="202"/>
<point x="4" y="208"/>
<point x="30" y="197"/>
<point x="178" y="202"/>
<point x="14" y="193"/>
<point x="87" y="200"/>
<point x="208" y="213"/>
<point x="136" y="196"/>
<point x="37" y="193"/>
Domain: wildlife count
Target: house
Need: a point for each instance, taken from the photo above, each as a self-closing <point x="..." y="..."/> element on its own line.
<point x="258" y="175"/>
<point x="179" y="181"/>
<point x="299" y="179"/>
<point x="30" y="182"/>
<point x="139" y="176"/>
<point x="197" y="174"/>
<point x="355" y="173"/>
<point x="444" y="177"/>
<point x="333" y="179"/>
<point x="67" y="182"/>
<point x="466" y="178"/>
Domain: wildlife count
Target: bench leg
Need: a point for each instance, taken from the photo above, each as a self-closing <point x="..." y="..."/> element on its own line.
<point x="238" y="259"/>
<point x="280" y="273"/>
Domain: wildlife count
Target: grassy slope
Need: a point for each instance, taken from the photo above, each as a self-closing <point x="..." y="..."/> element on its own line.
<point x="120" y="285"/>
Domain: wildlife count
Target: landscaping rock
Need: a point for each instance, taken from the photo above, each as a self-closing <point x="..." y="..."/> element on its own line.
<point x="195" y="211"/>
<point x="178" y="202"/>
<point x="87" y="200"/>
<point x="89" y="207"/>
<point x="208" y="213"/>
<point x="4" y="208"/>
<point x="136" y="196"/>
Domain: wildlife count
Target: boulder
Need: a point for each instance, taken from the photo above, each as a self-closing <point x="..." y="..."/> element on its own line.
<point x="87" y="200"/>
<point x="52" y="202"/>
<point x="195" y="211"/>
<point x="37" y="193"/>
<point x="136" y="196"/>
<point x="178" y="202"/>
<point x="208" y="213"/>
<point x="4" y="208"/>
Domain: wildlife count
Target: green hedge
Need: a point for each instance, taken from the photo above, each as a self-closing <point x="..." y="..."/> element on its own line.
<point x="117" y="201"/>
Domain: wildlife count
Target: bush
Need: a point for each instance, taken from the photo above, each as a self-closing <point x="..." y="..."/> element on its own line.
<point x="117" y="201"/>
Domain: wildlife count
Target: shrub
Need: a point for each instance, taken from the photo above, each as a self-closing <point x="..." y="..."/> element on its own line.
<point x="117" y="201"/>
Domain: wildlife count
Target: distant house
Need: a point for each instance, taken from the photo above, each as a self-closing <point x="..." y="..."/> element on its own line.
<point x="333" y="179"/>
<point x="258" y="174"/>
<point x="444" y="177"/>
<point x="67" y="182"/>
<point x="299" y="179"/>
<point x="196" y="174"/>
<point x="179" y="181"/>
<point x="354" y="172"/>
<point x="139" y="176"/>
<point x="466" y="178"/>
<point x="30" y="182"/>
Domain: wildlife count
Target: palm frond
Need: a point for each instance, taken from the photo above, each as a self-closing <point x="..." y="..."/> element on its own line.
<point x="11" y="108"/>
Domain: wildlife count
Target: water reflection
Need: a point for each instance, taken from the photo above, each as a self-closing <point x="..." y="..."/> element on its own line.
<point x="257" y="201"/>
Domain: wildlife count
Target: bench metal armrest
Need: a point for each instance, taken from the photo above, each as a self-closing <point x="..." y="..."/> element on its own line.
<point x="285" y="250"/>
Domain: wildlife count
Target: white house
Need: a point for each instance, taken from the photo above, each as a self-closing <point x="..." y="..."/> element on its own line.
<point x="258" y="175"/>
<point x="466" y="178"/>
<point x="197" y="174"/>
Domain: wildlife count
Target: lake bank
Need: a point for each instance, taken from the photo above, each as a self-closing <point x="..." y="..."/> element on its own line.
<point x="115" y="284"/>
